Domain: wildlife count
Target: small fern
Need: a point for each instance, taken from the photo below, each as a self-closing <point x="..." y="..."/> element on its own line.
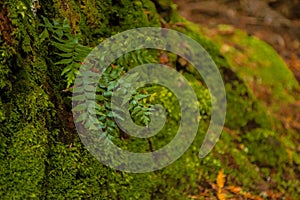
<point x="102" y="116"/>
<point x="93" y="110"/>
<point x="70" y="52"/>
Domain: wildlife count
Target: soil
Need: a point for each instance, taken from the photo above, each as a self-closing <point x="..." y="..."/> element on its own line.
<point x="275" y="22"/>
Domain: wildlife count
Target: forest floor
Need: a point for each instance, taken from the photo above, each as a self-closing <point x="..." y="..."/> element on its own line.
<point x="262" y="21"/>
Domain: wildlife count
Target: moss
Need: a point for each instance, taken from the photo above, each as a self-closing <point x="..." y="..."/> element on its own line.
<point x="245" y="114"/>
<point x="265" y="148"/>
<point x="258" y="64"/>
<point x="244" y="111"/>
<point x="38" y="141"/>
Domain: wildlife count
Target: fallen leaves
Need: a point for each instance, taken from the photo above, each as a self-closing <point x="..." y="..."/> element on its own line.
<point x="222" y="191"/>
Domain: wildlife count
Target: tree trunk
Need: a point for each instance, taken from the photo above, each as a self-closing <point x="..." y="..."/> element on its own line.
<point x="41" y="154"/>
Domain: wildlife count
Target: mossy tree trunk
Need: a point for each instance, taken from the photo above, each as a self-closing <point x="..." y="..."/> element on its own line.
<point x="41" y="156"/>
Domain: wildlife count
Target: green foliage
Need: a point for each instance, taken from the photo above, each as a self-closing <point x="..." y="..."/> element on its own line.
<point x="69" y="51"/>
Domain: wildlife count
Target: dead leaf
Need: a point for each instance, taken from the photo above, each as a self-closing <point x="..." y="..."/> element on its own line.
<point x="234" y="189"/>
<point x="163" y="58"/>
<point x="220" y="195"/>
<point x="221" y="179"/>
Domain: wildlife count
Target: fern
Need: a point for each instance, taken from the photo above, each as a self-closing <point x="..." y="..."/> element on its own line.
<point x="102" y="117"/>
<point x="85" y="99"/>
<point x="93" y="110"/>
<point x="70" y="52"/>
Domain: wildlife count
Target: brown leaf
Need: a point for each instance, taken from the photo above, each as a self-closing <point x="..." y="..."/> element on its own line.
<point x="163" y="58"/>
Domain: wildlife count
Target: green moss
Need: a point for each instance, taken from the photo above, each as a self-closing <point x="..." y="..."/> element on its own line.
<point x="38" y="143"/>
<point x="26" y="144"/>
<point x="258" y="64"/>
<point x="265" y="148"/>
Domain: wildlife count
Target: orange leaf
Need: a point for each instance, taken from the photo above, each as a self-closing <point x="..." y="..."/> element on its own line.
<point x="221" y="196"/>
<point x="221" y="179"/>
<point x="234" y="189"/>
<point x="248" y="195"/>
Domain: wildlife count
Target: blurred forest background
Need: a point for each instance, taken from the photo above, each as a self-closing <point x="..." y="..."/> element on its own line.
<point x="275" y="21"/>
<point x="255" y="45"/>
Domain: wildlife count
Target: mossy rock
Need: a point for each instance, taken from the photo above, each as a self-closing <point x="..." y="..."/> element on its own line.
<point x="257" y="63"/>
